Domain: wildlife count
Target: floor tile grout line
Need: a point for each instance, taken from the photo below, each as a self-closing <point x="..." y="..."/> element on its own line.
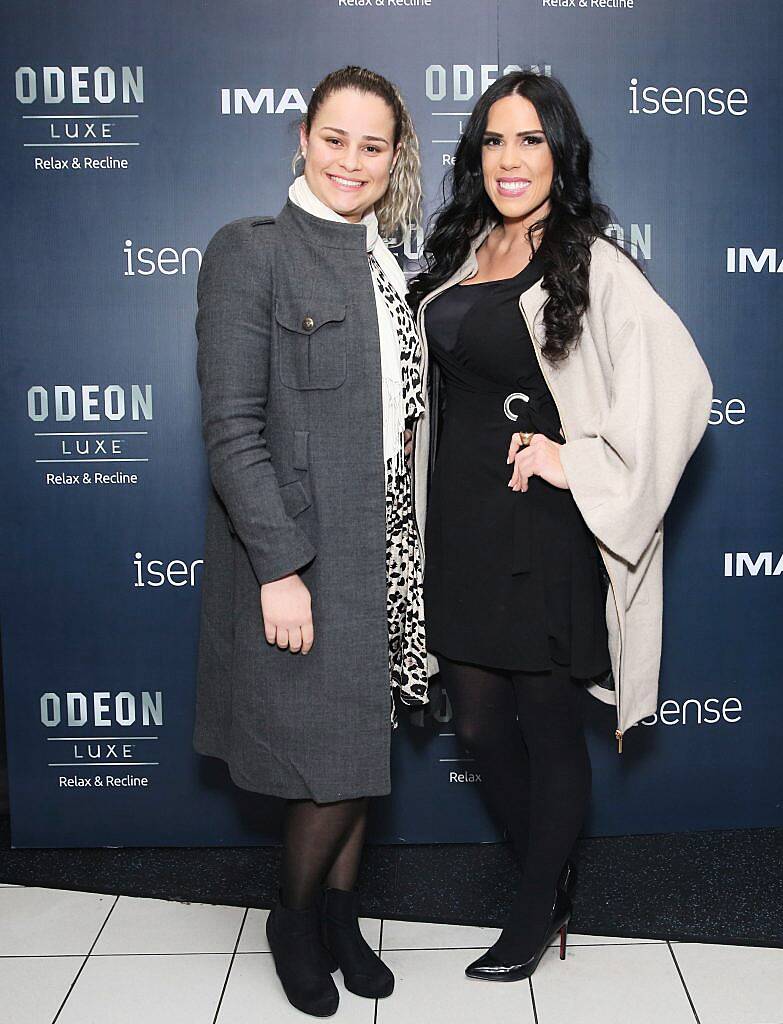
<point x="108" y="956"/>
<point x="574" y="945"/>
<point x="682" y="979"/>
<point x="267" y="952"/>
<point x="533" y="1000"/>
<point x="380" y="952"/>
<point x="230" y="965"/>
<point x="84" y="962"/>
<point x="39" y="956"/>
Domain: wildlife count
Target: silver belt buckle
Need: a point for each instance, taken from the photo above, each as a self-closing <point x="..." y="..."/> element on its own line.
<point x="507" y="404"/>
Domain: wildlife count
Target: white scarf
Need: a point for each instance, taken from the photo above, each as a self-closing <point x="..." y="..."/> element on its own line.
<point x="303" y="196"/>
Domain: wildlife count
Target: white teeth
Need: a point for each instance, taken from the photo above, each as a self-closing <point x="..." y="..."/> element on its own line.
<point x="346" y="182"/>
<point x="516" y="187"/>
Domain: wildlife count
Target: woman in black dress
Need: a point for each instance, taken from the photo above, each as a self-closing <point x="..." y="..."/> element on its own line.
<point x="514" y="592"/>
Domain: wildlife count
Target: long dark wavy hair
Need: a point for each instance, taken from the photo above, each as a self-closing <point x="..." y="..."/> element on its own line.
<point x="574" y="220"/>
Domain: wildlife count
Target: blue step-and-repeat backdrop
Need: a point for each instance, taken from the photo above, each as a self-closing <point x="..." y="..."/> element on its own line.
<point x="131" y="132"/>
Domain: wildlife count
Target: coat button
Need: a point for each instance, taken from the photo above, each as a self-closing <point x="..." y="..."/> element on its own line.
<point x="308" y="323"/>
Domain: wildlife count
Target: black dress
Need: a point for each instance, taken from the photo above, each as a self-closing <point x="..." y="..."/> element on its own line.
<point x="512" y="579"/>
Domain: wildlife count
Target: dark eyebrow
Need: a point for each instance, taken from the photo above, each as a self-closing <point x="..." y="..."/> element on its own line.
<point x="529" y="131"/>
<point x="371" y="138"/>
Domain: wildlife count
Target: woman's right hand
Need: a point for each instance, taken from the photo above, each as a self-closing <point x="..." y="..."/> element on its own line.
<point x="287" y="614"/>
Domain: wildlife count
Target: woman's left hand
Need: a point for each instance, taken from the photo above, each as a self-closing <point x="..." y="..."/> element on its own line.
<point x="539" y="458"/>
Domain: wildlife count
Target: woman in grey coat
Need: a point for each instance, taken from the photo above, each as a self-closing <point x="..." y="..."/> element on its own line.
<point x="311" y="374"/>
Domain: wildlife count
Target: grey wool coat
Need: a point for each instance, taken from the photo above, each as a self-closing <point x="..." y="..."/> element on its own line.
<point x="290" y="377"/>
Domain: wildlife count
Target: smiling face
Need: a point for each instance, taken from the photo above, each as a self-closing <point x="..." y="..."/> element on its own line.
<point x="349" y="153"/>
<point x="516" y="160"/>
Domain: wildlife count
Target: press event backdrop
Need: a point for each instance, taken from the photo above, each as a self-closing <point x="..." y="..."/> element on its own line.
<point x="131" y="132"/>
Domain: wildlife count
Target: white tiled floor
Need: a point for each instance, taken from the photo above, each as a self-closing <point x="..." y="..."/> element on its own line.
<point x="86" y="958"/>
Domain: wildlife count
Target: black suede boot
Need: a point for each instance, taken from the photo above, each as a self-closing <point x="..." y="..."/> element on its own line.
<point x="301" y="962"/>
<point x="364" y="973"/>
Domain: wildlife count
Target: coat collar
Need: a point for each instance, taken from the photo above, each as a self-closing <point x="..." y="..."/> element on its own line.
<point x="301" y="195"/>
<point x="320" y="232"/>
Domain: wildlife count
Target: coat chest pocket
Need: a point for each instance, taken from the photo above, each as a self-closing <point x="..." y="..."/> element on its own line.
<point x="312" y="351"/>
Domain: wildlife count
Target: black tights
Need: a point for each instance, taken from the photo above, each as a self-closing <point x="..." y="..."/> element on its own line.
<point x="323" y="844"/>
<point x="525" y="731"/>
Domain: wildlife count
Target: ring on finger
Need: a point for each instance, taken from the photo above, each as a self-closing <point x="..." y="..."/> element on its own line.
<point x="525" y="437"/>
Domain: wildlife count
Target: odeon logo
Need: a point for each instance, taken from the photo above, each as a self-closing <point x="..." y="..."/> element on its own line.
<point x="743" y="563"/>
<point x="101" y="709"/>
<point x="638" y="238"/>
<point x="87" y="137"/>
<point x="461" y="82"/>
<point x="743" y="260"/>
<point x="93" y="424"/>
<point x="90" y="402"/>
<point x="79" y="84"/>
<point x="695" y="99"/>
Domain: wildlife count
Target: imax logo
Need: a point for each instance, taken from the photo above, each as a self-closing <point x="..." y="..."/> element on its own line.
<point x="742" y="259"/>
<point x="237" y="101"/>
<point x="741" y="563"/>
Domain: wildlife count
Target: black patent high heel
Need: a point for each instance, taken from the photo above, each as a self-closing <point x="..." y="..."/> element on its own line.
<point x="489" y="968"/>
<point x="568" y="877"/>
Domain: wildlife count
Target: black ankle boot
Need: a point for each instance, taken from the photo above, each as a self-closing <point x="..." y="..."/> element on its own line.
<point x="364" y="973"/>
<point x="301" y="961"/>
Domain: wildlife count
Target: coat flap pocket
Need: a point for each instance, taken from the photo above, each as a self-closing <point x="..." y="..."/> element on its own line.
<point x="306" y="319"/>
<point x="295" y="498"/>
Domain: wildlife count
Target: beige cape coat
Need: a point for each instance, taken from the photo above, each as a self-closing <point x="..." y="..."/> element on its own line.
<point x="634" y="398"/>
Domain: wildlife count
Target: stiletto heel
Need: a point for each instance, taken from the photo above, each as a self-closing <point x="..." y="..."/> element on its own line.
<point x="489" y="968"/>
<point x="563" y="936"/>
